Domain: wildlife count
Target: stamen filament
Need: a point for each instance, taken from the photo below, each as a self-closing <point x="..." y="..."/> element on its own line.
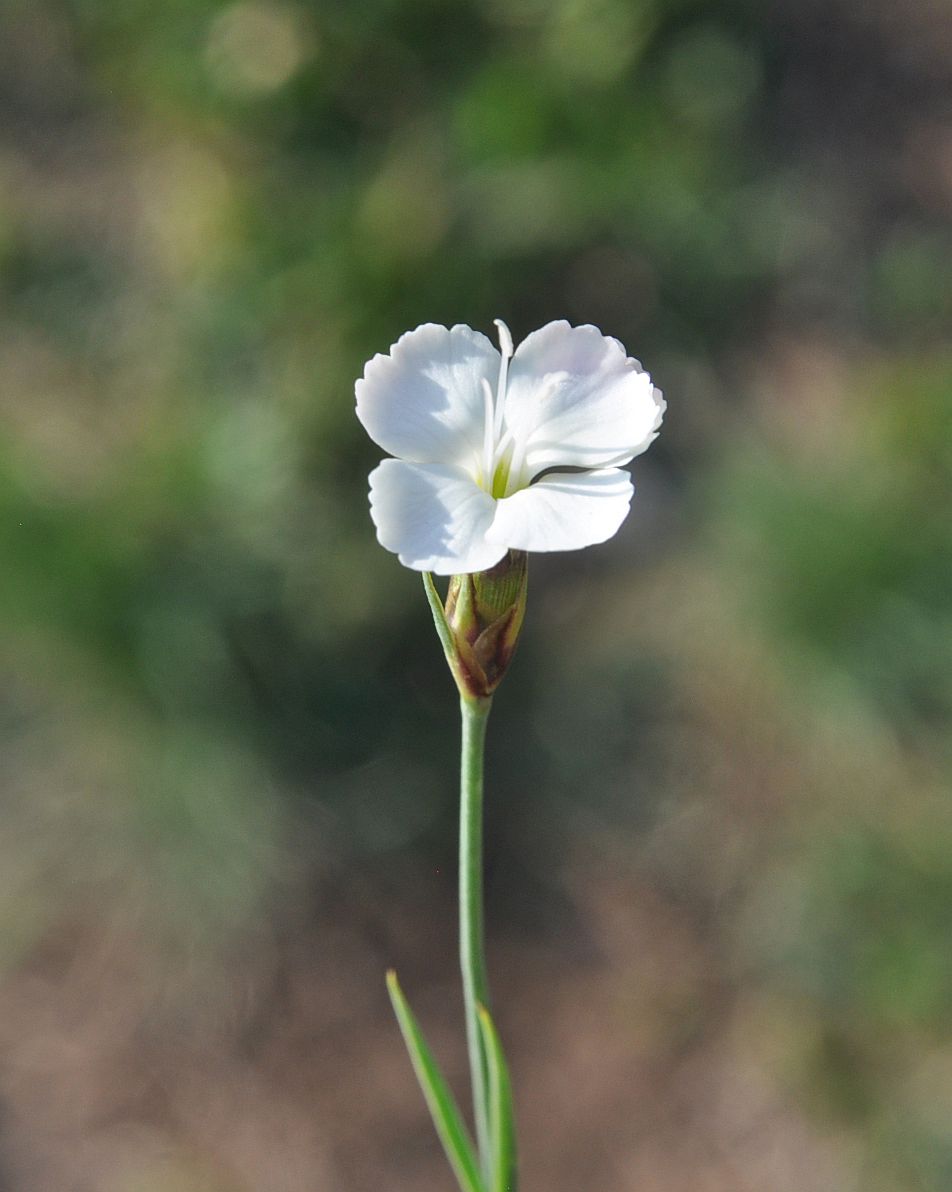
<point x="505" y="352"/>
<point x="489" y="438"/>
<point x="503" y="442"/>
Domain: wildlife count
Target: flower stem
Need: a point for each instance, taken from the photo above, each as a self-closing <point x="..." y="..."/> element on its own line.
<point x="475" y="714"/>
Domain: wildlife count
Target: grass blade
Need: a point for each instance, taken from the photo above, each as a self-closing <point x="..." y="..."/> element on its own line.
<point x="501" y="1125"/>
<point x="446" y="1117"/>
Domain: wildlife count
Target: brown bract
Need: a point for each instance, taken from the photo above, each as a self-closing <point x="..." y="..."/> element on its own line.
<point x="484" y="612"/>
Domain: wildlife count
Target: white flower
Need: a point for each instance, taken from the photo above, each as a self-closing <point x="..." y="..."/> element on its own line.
<point x="488" y="444"/>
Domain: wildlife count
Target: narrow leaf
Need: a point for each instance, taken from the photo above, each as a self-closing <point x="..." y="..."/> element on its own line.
<point x="446" y="1116"/>
<point x="443" y="630"/>
<point x="501" y="1125"/>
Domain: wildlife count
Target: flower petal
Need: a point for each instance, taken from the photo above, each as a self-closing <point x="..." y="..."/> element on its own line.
<point x="433" y="516"/>
<point x="576" y="400"/>
<point x="424" y="401"/>
<point x="563" y="511"/>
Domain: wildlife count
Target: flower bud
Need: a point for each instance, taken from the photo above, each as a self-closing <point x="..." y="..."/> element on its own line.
<point x="484" y="612"/>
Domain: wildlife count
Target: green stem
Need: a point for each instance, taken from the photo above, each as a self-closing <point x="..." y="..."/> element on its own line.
<point x="475" y="714"/>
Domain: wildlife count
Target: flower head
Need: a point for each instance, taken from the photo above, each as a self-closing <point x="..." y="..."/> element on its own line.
<point x="501" y="450"/>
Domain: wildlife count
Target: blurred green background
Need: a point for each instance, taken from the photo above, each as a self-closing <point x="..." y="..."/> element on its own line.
<point x="719" y="825"/>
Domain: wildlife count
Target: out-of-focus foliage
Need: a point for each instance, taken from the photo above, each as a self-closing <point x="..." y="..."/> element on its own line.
<point x="720" y="825"/>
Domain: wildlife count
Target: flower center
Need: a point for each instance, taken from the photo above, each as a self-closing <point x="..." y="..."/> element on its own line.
<point x="500" y="477"/>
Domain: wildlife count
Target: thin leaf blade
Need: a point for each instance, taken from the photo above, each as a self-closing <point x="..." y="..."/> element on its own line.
<point x="503" y="1176"/>
<point x="443" y="1109"/>
<point x="445" y="634"/>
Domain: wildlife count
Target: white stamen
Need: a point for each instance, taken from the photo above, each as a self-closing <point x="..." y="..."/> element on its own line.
<point x="489" y="438"/>
<point x="505" y="338"/>
<point x="503" y="441"/>
<point x="505" y="350"/>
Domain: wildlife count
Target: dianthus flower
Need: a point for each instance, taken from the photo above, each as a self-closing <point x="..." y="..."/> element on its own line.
<point x="499" y="450"/>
